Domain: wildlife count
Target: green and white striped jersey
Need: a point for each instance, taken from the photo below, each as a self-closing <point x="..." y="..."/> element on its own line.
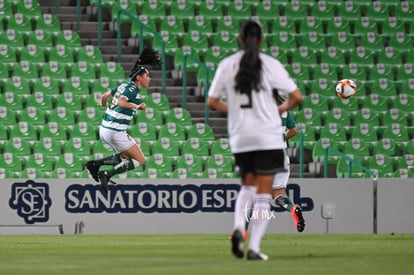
<point x="117" y="118"/>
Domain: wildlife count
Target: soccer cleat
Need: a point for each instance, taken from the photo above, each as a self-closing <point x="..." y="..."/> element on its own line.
<point x="93" y="169"/>
<point x="251" y="255"/>
<point x="104" y="179"/>
<point x="298" y="218"/>
<point x="237" y="243"/>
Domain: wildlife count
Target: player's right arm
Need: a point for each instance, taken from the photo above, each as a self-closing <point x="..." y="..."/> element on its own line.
<point x="105" y="97"/>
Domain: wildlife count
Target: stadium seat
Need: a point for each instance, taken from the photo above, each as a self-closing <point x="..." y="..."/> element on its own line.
<point x="266" y="11"/>
<point x="180" y="116"/>
<point x="221" y="146"/>
<point x="158" y="102"/>
<point x="20" y="23"/>
<point x="310" y="116"/>
<point x="387" y="147"/>
<point x="389" y="57"/>
<point x="318" y="151"/>
<point x="8" y="56"/>
<point x="39" y="161"/>
<point x="197" y="41"/>
<point x="92" y="115"/>
<point x="173" y="131"/>
<point x="90" y="54"/>
<point x="283" y="40"/>
<point x="201" y="24"/>
<point x="62" y="54"/>
<point x="341" y="41"/>
<point x="197" y="147"/>
<point x="54" y="70"/>
<point x="363" y="26"/>
<point x="26" y="71"/>
<point x="80" y="147"/>
<point x="405" y="72"/>
<point x="49" y="23"/>
<point x="69" y="101"/>
<point x="33" y="173"/>
<point x="382" y="85"/>
<point x="24" y="130"/>
<point x="170" y="40"/>
<point x="182" y="9"/>
<point x="366" y="115"/>
<point x="355" y="72"/>
<point x="191" y="163"/>
<point x="349" y="105"/>
<point x="227" y="41"/>
<point x="365" y="131"/>
<point x="49" y="147"/>
<point x="211" y="10"/>
<point x="35" y="117"/>
<point x="70" y="39"/>
<point x="13" y="101"/>
<point x="376" y="10"/>
<point x="335" y="132"/>
<point x="61" y="173"/>
<point x="372" y="41"/>
<point x="192" y="59"/>
<point x="172" y="24"/>
<point x="349" y="11"/>
<point x="48" y="86"/>
<point x="316" y="101"/>
<point x="339" y="116"/>
<point x="85" y="71"/>
<point x="397" y="132"/>
<point x="168" y="147"/>
<point x="55" y="131"/>
<point x="406" y="96"/>
<point x="7" y="116"/>
<point x="311" y="24"/>
<point x="111" y="70"/>
<point x="391" y="25"/>
<point x="296" y="10"/>
<point x="85" y="131"/>
<point x="342" y="168"/>
<point x="147" y="34"/>
<point x="309" y="136"/>
<point x="381" y="165"/>
<point x="359" y="149"/>
<point x="69" y="161"/>
<point x="7" y="9"/>
<point x="144" y="131"/>
<point x="161" y="164"/>
<point x="101" y="149"/>
<point x="213" y="56"/>
<point x="10" y="162"/>
<point x="333" y="56"/>
<point x="63" y="116"/>
<point x="406" y="161"/>
<point x="337" y="25"/>
<point x="18" y="147"/>
<point x="324" y="71"/>
<point x="409" y="149"/>
<point x="77" y="85"/>
<point x="29" y="8"/>
<point x="403" y="173"/>
<point x="226" y="24"/>
<point x="102" y="84"/>
<point x="376" y="102"/>
<point x="150" y="116"/>
<point x="238" y="10"/>
<point x="124" y="5"/>
<point x="313" y="40"/>
<point x="304" y="56"/>
<point x="12" y="38"/>
<point x="155" y="10"/>
<point x="31" y="53"/>
<point x="144" y="146"/>
<point x="220" y="162"/>
<point x="323" y="9"/>
<point x="18" y="85"/>
<point x="202" y="131"/>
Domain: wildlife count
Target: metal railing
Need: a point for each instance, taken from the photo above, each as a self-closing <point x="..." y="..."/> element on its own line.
<point x="206" y="85"/>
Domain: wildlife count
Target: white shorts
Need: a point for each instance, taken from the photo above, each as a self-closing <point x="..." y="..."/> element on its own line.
<point x="120" y="141"/>
<point x="281" y="179"/>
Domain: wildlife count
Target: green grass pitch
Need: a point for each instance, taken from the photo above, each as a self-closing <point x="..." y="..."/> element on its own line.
<point x="205" y="254"/>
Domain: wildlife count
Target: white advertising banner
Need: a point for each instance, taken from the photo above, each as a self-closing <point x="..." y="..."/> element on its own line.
<point x="197" y="206"/>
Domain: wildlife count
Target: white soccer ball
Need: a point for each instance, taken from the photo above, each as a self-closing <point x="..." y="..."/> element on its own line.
<point x="345" y="88"/>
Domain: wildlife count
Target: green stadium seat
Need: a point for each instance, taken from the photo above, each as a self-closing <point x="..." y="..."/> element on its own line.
<point x="323" y="10"/>
<point x="309" y="136"/>
<point x="201" y="24"/>
<point x="403" y="173"/>
<point x="204" y="77"/>
<point x="227" y="41"/>
<point x="406" y="88"/>
<point x="61" y="173"/>
<point x="376" y="102"/>
<point x="85" y="71"/>
<point x="7" y="9"/>
<point x="170" y="40"/>
<point x="20" y="23"/>
<point x="90" y="54"/>
<point x="405" y="161"/>
<point x="404" y="72"/>
<point x="333" y="56"/>
<point x="381" y="165"/>
<point x="363" y="26"/>
<point x="349" y="105"/>
<point x="33" y="173"/>
<point x="35" y="117"/>
<point x="92" y="115"/>
<point x="197" y="41"/>
<point x="146" y="33"/>
<point x="172" y="24"/>
<point x="342" y="168"/>
<point x="8" y="56"/>
<point x="150" y="116"/>
<point x="49" y="147"/>
<point x="10" y="162"/>
<point x="318" y="151"/>
<point x="324" y="71"/>
<point x="63" y="116"/>
<point x="144" y="146"/>
<point x="29" y="8"/>
<point x="48" y="23"/>
<point x="80" y="147"/>
<point x="404" y="10"/>
<point x="202" y="131"/>
<point x="191" y="163"/>
<point x="296" y="10"/>
<point x="335" y="132"/>
<point x="70" y="101"/>
<point x="158" y="102"/>
<point x="366" y="115"/>
<point x="277" y="53"/>
<point x="365" y="131"/>
<point x="382" y="85"/>
<point x="391" y="26"/>
<point x="124" y="5"/>
<point x="389" y="57"/>
<point x="304" y="57"/>
<point x="111" y="70"/>
<point x="396" y="132"/>
<point x="341" y="41"/>
<point x="197" y="147"/>
<point x="18" y="147"/>
<point x="85" y="131"/>
<point x="24" y="130"/>
<point x="63" y="55"/>
<point x="283" y="40"/>
<point x="70" y="39"/>
<point x="144" y="131"/>
<point x="211" y="10"/>
<point x="339" y="116"/>
<point x="376" y="10"/>
<point x="69" y="161"/>
<point x="54" y="70"/>
<point x="362" y="56"/>
<point x="409" y="148"/>
<point x="220" y="162"/>
<point x="297" y="70"/>
<point x="316" y="101"/>
<point x="314" y="41"/>
<point x="226" y="24"/>
<point x="238" y="10"/>
<point x="155" y="10"/>
<point x="372" y="41"/>
<point x="311" y="24"/>
<point x="155" y="173"/>
<point x="168" y="147"/>
<point x="39" y="161"/>
<point x="183" y="173"/>
<point x="182" y="9"/>
<point x="387" y="147"/>
<point x="18" y="85"/>
<point x="221" y="146"/>
<point x="14" y="102"/>
<point x="12" y="38"/>
<point x="48" y="86"/>
<point x="55" y="131"/>
<point x="359" y="149"/>
<point x="266" y="10"/>
<point x="355" y="72"/>
<point x="213" y="56"/>
<point x="101" y="149"/>
<point x="191" y="61"/>
<point x="180" y="116"/>
<point x="8" y="118"/>
<point x="349" y="11"/>
<point x="26" y="71"/>
<point x="173" y="131"/>
<point x="310" y="116"/>
<point x="162" y="166"/>
<point x="337" y="25"/>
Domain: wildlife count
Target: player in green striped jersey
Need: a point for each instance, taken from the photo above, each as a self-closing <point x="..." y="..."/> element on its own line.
<point x="126" y="100"/>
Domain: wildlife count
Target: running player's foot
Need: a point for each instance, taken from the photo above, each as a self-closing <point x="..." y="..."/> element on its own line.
<point x="251" y="255"/>
<point x="237" y="243"/>
<point x="104" y="179"/>
<point x="93" y="169"/>
<point x="298" y="218"/>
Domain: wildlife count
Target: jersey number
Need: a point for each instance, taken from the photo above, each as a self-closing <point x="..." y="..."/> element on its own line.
<point x="249" y="104"/>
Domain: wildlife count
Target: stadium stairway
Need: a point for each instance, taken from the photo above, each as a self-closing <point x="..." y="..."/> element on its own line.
<point x="87" y="32"/>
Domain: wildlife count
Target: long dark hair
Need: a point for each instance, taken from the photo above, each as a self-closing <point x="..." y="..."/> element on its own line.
<point x="148" y="58"/>
<point x="248" y="77"/>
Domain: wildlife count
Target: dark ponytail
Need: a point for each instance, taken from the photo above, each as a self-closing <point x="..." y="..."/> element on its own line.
<point x="248" y="77"/>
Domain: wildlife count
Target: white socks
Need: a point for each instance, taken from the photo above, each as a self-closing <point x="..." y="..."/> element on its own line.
<point x="260" y="219"/>
<point x="243" y="206"/>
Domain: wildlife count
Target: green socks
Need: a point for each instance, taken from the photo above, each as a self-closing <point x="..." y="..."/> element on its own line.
<point x="284" y="202"/>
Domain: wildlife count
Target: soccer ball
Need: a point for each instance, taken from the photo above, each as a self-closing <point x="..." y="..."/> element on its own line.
<point x="345" y="88"/>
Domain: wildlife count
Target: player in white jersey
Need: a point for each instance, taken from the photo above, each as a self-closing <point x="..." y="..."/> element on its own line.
<point x="126" y="100"/>
<point x="248" y="81"/>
